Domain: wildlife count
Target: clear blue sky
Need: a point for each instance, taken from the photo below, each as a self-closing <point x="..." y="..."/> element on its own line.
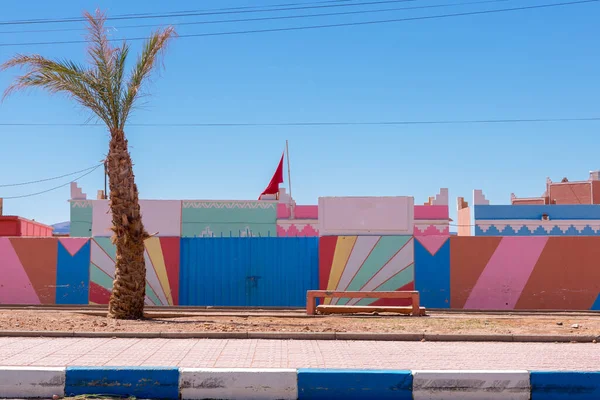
<point x="542" y="63"/>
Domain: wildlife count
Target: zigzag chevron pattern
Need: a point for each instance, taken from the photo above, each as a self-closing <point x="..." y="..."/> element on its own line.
<point x="535" y="229"/>
<point x="230" y="205"/>
<point x="431" y="229"/>
<point x="81" y="203"/>
<point x="355" y="263"/>
<point x="287" y="229"/>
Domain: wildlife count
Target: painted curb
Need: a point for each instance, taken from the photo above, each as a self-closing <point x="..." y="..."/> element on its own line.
<point x="237" y="383"/>
<point x="31" y="382"/>
<point x="285" y="384"/>
<point x="549" y="385"/>
<point x="331" y="384"/>
<point x="471" y="385"/>
<point x="141" y="382"/>
<point x="400" y="337"/>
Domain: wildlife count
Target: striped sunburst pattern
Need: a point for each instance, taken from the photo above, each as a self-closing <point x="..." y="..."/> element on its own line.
<point x="162" y="270"/>
<point x="366" y="263"/>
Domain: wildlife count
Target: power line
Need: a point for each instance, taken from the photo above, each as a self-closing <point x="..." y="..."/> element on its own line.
<point x="199" y="13"/>
<point x="54" y="188"/>
<point x="310" y="27"/>
<point x="169" y="13"/>
<point x="319" y="123"/>
<point x="50" y="179"/>
<point x="272" y="18"/>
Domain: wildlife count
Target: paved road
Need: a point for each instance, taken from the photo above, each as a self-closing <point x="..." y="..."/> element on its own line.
<point x="213" y="353"/>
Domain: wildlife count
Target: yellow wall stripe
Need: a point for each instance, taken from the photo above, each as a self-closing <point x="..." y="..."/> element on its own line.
<point x="343" y="249"/>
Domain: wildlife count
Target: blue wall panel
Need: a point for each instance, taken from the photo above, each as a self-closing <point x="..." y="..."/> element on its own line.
<point x="73" y="275"/>
<point x="270" y="272"/>
<point x="432" y="275"/>
<point x="596" y="305"/>
<point x="331" y="384"/>
<point x="549" y="385"/>
<point x="535" y="212"/>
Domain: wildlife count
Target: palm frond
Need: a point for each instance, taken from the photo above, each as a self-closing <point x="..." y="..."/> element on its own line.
<point x="102" y="55"/>
<point x="58" y="77"/>
<point x="103" y="87"/>
<point x="154" y="48"/>
<point x="119" y="74"/>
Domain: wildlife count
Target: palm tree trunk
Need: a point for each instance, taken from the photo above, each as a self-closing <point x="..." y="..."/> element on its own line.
<point x="129" y="287"/>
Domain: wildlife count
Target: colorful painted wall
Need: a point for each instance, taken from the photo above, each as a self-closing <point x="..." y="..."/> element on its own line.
<point x="488" y="273"/>
<point x="537" y="220"/>
<point x="526" y="218"/>
<point x="162" y="270"/>
<point x="44" y="270"/>
<point x="200" y="218"/>
<point x="280" y="217"/>
<point x="505" y="273"/>
<point x="357" y="263"/>
<point x="80" y="270"/>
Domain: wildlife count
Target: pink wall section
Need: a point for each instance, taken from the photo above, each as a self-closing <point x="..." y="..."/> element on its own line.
<point x="301" y="212"/>
<point x="162" y="216"/>
<point x="366" y="215"/>
<point x="16" y="288"/>
<point x="431" y="212"/>
<point x="509" y="268"/>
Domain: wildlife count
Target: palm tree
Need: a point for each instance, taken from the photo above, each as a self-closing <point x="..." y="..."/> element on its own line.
<point x="103" y="88"/>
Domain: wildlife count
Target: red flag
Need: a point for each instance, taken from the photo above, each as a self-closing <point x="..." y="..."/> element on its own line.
<point x="273" y="187"/>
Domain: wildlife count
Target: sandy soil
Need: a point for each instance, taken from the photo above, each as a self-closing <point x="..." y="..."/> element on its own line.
<point x="34" y="320"/>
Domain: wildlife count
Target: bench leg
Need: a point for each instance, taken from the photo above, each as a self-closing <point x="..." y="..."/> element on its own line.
<point x="310" y="304"/>
<point x="416" y="308"/>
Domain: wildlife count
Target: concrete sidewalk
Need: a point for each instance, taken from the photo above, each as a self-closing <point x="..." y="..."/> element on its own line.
<point x="219" y="353"/>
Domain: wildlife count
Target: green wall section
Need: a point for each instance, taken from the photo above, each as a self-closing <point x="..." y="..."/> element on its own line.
<point x="227" y="218"/>
<point x="399" y="280"/>
<point x="81" y="219"/>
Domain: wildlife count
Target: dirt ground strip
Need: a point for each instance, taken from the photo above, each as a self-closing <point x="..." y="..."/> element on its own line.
<point x="436" y="322"/>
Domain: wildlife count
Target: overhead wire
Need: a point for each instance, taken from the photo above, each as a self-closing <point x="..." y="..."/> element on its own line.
<point x="201" y="13"/>
<point x="284" y="17"/>
<point x="170" y="13"/>
<point x="49" y="179"/>
<point x="337" y="25"/>
<point x="318" y="123"/>
<point x="53" y="188"/>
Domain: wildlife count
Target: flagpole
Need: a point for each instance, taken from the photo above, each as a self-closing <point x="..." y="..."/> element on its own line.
<point x="287" y="151"/>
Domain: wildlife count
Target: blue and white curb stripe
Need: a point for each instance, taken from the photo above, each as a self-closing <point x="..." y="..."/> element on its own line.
<point x="326" y="384"/>
<point x="552" y="385"/>
<point x="471" y="385"/>
<point x="31" y="382"/>
<point x="295" y="384"/>
<point x="238" y="383"/>
<point x="140" y="382"/>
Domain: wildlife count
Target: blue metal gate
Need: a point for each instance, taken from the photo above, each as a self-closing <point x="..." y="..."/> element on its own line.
<point x="268" y="272"/>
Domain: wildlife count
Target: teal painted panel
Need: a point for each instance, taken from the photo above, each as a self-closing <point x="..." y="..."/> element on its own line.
<point x="228" y="219"/>
<point x="386" y="248"/>
<point x="81" y="218"/>
<point x="401" y="279"/>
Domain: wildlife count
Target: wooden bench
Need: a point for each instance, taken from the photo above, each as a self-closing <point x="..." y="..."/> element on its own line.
<point x="313" y="295"/>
